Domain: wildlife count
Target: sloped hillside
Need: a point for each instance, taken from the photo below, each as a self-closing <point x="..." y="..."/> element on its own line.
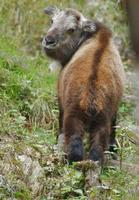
<point x="31" y="166"/>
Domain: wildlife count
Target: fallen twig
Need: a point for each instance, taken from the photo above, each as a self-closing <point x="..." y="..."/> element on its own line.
<point x="130" y="168"/>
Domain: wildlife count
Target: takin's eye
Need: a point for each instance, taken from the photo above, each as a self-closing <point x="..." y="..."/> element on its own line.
<point x="71" y="30"/>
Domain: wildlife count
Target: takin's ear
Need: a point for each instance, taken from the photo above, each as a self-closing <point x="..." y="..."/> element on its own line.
<point x="89" y="26"/>
<point x="51" y="10"/>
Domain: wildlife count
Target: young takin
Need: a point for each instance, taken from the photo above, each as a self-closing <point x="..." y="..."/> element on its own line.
<point x="90" y="84"/>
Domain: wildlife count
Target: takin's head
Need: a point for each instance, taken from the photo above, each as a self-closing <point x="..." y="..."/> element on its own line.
<point x="69" y="29"/>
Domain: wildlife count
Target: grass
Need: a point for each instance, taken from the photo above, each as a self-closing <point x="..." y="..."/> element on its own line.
<point x="28" y="102"/>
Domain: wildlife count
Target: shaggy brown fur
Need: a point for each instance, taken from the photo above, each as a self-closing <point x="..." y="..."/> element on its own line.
<point x="90" y="88"/>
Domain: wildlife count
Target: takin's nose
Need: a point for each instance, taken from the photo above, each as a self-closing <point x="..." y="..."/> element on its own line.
<point x="49" y="40"/>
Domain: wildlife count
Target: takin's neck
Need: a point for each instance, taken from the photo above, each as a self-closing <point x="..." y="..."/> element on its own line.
<point x="70" y="53"/>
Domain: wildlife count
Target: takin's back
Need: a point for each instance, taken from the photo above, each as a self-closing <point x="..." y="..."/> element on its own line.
<point x="94" y="77"/>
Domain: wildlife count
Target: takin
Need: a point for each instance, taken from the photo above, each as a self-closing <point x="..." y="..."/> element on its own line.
<point x="90" y="84"/>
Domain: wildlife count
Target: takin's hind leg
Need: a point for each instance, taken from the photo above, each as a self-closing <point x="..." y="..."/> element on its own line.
<point x="73" y="131"/>
<point x="99" y="138"/>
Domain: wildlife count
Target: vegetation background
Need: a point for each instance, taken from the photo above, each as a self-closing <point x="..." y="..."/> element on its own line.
<point x="31" y="167"/>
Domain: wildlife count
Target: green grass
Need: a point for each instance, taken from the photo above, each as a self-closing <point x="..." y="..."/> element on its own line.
<point x="26" y="88"/>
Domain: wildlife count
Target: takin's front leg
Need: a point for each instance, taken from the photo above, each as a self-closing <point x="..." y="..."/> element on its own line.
<point x="61" y="117"/>
<point x="112" y="141"/>
<point x="99" y="139"/>
<point x="60" y="135"/>
<point x="73" y="131"/>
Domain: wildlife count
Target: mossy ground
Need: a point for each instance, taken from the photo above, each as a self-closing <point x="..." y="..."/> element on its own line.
<point x="29" y="111"/>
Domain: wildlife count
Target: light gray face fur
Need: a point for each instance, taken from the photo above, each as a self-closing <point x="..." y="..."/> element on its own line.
<point x="66" y="28"/>
<point x="69" y="29"/>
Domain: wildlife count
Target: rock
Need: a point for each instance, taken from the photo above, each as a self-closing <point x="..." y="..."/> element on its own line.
<point x="61" y="142"/>
<point x="21" y="174"/>
<point x="54" y="66"/>
<point x="26" y="163"/>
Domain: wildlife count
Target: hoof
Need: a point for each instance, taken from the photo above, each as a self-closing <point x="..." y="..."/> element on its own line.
<point x="96" y="154"/>
<point x="75" y="150"/>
